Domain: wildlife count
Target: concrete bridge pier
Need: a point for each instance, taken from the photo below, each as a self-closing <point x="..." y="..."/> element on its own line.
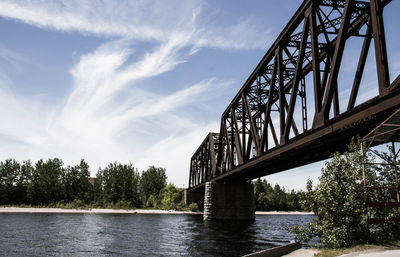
<point x="232" y="200"/>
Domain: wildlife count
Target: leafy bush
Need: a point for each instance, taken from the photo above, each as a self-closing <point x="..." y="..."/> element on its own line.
<point x="171" y="197"/>
<point x="193" y="207"/>
<point x="153" y="201"/>
<point x="121" y="204"/>
<point x="75" y="204"/>
<point x="338" y="201"/>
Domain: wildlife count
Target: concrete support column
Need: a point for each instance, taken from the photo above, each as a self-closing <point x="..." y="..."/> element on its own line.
<point x="229" y="201"/>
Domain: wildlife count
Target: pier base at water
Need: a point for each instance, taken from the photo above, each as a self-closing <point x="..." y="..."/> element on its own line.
<point x="229" y="201"/>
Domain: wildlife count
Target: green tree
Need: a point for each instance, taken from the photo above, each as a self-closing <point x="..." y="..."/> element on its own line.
<point x="46" y="182"/>
<point x="22" y="183"/>
<point x="76" y="183"/>
<point x="258" y="189"/>
<point x="265" y="196"/>
<point x="293" y="201"/>
<point x="279" y="199"/>
<point x="151" y="182"/>
<point x="338" y="201"/>
<point x="98" y="188"/>
<point x="171" y="197"/>
<point x="9" y="173"/>
<point x="307" y="201"/>
<point x="119" y="183"/>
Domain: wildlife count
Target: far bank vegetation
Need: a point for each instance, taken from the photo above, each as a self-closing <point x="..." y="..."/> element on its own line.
<point x="52" y="184"/>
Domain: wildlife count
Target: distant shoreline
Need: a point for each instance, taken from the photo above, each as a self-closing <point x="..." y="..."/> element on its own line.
<point x="121" y="211"/>
<point x="283" y="213"/>
<point x="91" y="211"/>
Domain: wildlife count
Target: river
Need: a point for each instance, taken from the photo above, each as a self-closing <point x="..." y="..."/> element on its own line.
<point x="25" y="234"/>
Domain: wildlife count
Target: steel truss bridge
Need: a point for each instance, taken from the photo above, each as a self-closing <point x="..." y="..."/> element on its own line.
<point x="300" y="105"/>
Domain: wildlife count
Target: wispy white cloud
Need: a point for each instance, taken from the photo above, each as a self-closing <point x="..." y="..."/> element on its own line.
<point x="10" y="57"/>
<point x="154" y="20"/>
<point x="104" y="18"/>
<point x="109" y="114"/>
<point x="21" y="117"/>
<point x="104" y="103"/>
<point x="245" y="34"/>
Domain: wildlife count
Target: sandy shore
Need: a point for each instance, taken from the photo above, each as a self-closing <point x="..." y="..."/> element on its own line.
<point x="283" y="213"/>
<point x="118" y="211"/>
<point x="94" y="211"/>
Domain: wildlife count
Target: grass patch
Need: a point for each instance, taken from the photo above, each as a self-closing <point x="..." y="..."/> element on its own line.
<point x="328" y="252"/>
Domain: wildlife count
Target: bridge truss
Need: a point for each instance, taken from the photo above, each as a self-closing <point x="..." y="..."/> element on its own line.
<point x="294" y="109"/>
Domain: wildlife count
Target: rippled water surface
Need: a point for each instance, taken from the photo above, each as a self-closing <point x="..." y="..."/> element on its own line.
<point x="139" y="235"/>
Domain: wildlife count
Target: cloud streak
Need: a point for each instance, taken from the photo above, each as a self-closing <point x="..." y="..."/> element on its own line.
<point x="104" y="103"/>
<point x="110" y="114"/>
<point x="153" y="20"/>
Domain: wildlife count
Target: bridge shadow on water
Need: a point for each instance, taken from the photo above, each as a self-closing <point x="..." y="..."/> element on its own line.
<point x="237" y="238"/>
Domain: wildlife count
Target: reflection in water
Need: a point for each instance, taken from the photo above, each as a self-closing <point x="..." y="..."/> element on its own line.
<point x="139" y="235"/>
<point x="225" y="238"/>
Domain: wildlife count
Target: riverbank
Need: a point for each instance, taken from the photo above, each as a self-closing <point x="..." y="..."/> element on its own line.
<point x="283" y="213"/>
<point x="365" y="250"/>
<point x="388" y="249"/>
<point x="391" y="249"/>
<point x="93" y="211"/>
<point x="122" y="211"/>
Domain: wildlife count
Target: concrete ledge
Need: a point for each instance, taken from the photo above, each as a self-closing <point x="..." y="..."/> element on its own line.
<point x="276" y="251"/>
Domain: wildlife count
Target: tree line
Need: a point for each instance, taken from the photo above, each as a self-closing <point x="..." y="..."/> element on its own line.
<point x="50" y="183"/>
<point x="268" y="198"/>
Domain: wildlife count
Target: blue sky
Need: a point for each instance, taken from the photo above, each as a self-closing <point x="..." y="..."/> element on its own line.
<point x="133" y="81"/>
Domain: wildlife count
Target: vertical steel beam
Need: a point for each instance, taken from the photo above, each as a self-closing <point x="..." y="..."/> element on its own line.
<point x="293" y="123"/>
<point x="304" y="105"/>
<point x="267" y="118"/>
<point x="198" y="169"/>
<point x="190" y="173"/>
<point x="220" y="153"/>
<point x="229" y="149"/>
<point x="281" y="93"/>
<point x="336" y="110"/>
<point x="325" y="76"/>
<point x="244" y="128"/>
<point x="378" y="32"/>
<point x="253" y="128"/>
<point x="212" y="152"/>
<point x="297" y="77"/>
<point x="271" y="125"/>
<point x="235" y="130"/>
<point x="360" y="69"/>
<point x="323" y="116"/>
<point x="315" y="58"/>
<point x="249" y="145"/>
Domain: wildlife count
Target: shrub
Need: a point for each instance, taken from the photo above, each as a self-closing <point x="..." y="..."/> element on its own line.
<point x="121" y="204"/>
<point x="193" y="207"/>
<point x="338" y="201"/>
